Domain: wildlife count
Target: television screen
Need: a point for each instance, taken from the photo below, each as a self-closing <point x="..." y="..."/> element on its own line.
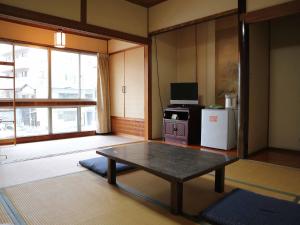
<point x="184" y="93"/>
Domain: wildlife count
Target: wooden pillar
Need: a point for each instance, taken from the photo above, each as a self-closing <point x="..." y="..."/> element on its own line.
<point x="243" y="82"/>
<point x="148" y="90"/>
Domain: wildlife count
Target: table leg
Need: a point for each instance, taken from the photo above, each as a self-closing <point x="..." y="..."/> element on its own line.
<point x="176" y="197"/>
<point x="111" y="171"/>
<point x="219" y="180"/>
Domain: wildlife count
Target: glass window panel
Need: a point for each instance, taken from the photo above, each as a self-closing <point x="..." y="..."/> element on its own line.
<point x="32" y="121"/>
<point x="88" y="72"/>
<point x="31" y="72"/>
<point x="6" y="88"/>
<point x="6" y="52"/>
<point x="65" y="75"/>
<point x="88" y="118"/>
<point x="6" y="71"/>
<point x="64" y="120"/>
<point x="6" y="130"/>
<point x="6" y="114"/>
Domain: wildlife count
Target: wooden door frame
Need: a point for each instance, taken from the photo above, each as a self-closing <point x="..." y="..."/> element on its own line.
<point x="245" y="19"/>
<point x="148" y="91"/>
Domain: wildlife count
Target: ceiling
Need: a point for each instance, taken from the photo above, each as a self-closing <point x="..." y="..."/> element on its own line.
<point x="146" y="3"/>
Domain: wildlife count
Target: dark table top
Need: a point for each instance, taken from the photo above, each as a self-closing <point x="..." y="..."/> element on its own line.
<point x="171" y="162"/>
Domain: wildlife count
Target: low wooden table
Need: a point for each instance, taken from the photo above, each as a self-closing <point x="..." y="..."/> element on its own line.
<point x="173" y="163"/>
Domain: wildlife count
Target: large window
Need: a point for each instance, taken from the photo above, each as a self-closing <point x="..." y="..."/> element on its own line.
<point x="55" y="90"/>
<point x="31" y="72"/>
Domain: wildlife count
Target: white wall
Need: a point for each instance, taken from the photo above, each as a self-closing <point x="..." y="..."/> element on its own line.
<point x="118" y="15"/>
<point x="117" y="45"/>
<point x="259" y="87"/>
<point x="285" y="84"/>
<point x="173" y="12"/>
<point x="69" y="9"/>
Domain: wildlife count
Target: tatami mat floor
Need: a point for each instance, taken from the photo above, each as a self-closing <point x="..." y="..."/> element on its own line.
<point x="55" y="190"/>
<point x="41" y="160"/>
<point x="4" y="214"/>
<point x="86" y="198"/>
<point x="44" y="149"/>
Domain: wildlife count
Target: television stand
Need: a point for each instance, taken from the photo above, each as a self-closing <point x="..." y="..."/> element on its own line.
<point x="182" y="125"/>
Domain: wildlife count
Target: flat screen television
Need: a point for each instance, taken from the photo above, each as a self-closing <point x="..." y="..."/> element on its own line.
<point x="184" y="94"/>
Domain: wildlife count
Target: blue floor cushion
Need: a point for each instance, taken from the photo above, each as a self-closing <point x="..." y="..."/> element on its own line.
<point x="242" y="207"/>
<point x="99" y="165"/>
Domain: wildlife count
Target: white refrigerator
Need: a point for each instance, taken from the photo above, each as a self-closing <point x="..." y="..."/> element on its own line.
<point x="219" y="128"/>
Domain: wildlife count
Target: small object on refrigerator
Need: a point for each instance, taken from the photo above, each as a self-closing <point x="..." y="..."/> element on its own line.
<point x="230" y="101"/>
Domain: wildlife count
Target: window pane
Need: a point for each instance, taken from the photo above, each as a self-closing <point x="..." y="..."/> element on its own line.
<point x="64" y="120"/>
<point x="88" y="118"/>
<point x="6" y="52"/>
<point x="88" y="76"/>
<point x="6" y="71"/>
<point x="6" y="88"/>
<point x="6" y="126"/>
<point x="6" y="114"/>
<point x="6" y="130"/>
<point x="31" y="72"/>
<point x="32" y="121"/>
<point x="65" y="75"/>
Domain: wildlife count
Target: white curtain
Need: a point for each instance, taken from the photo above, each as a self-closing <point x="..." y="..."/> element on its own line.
<point x="103" y="96"/>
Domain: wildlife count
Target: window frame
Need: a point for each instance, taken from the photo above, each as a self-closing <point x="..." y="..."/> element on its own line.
<point x="50" y="102"/>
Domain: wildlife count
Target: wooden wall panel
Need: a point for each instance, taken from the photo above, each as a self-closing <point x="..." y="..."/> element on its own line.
<point x="226" y="57"/>
<point x="127" y="126"/>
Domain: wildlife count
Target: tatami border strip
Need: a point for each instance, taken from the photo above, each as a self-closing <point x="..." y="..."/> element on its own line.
<point x="11" y="210"/>
<point x="67" y="153"/>
<point x="261" y="187"/>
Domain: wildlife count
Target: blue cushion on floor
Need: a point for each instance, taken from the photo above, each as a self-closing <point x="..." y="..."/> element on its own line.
<point x="99" y="165"/>
<point x="242" y="207"/>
